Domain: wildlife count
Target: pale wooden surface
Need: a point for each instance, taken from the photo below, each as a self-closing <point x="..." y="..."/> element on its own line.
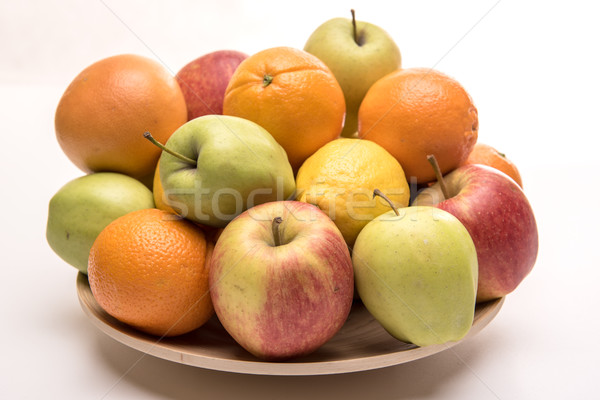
<point x="362" y="344"/>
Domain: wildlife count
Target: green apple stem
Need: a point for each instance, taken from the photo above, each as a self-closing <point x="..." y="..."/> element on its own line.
<point x="276" y="233"/>
<point x="438" y="175"/>
<point x="148" y="136"/>
<point x="378" y="192"/>
<point x="354" y="26"/>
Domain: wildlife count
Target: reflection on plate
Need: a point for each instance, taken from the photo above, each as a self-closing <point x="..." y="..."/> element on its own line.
<point x="362" y="344"/>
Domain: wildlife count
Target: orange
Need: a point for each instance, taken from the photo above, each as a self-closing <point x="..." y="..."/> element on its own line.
<point x="415" y="112"/>
<point x="293" y="95"/>
<point x="149" y="269"/>
<point x="487" y="155"/>
<point x="102" y="116"/>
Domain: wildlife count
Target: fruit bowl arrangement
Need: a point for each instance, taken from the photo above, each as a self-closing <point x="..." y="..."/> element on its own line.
<point x="291" y="212"/>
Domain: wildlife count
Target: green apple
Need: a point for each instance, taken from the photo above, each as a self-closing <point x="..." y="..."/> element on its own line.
<point x="79" y="211"/>
<point x="416" y="273"/>
<point x="215" y="167"/>
<point x="358" y="53"/>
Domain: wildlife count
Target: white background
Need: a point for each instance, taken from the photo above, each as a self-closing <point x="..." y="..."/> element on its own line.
<point x="532" y="69"/>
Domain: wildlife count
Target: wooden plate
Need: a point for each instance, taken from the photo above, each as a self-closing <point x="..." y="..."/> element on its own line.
<point x="362" y="344"/>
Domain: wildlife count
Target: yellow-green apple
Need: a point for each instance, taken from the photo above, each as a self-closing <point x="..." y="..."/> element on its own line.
<point x="79" y="211"/>
<point x="214" y="167"/>
<point x="497" y="214"/>
<point x="281" y="279"/>
<point x="416" y="273"/>
<point x="203" y="81"/>
<point x="358" y="53"/>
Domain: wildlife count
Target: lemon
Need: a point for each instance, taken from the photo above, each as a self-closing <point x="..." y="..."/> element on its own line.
<point x="340" y="178"/>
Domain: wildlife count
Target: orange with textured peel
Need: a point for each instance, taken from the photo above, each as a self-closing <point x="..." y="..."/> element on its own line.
<point x="293" y="95"/>
<point x="417" y="112"/>
<point x="149" y="269"/>
<point x="102" y="116"/>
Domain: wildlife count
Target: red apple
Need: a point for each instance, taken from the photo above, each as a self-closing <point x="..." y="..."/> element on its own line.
<point x="500" y="220"/>
<point x="281" y="288"/>
<point x="204" y="80"/>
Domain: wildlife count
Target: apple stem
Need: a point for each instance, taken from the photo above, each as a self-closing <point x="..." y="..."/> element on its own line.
<point x="354" y="26"/>
<point x="267" y="79"/>
<point x="276" y="233"/>
<point x="378" y="192"/>
<point x="148" y="136"/>
<point x="438" y="175"/>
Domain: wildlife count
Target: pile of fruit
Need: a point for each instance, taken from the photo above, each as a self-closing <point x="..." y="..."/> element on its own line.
<point x="274" y="190"/>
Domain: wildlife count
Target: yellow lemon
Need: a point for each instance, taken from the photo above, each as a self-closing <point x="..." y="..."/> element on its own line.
<point x="340" y="178"/>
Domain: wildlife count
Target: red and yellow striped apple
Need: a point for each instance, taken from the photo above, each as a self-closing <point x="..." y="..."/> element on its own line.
<point x="281" y="279"/>
<point x="203" y="81"/>
<point x="499" y="218"/>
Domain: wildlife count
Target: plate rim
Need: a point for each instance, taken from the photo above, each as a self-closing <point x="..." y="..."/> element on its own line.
<point x="148" y="345"/>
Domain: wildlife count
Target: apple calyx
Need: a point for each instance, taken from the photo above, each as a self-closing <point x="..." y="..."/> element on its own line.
<point x="378" y="192"/>
<point x="438" y="175"/>
<point x="155" y="142"/>
<point x="267" y="79"/>
<point x="354" y="31"/>
<point x="275" y="229"/>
